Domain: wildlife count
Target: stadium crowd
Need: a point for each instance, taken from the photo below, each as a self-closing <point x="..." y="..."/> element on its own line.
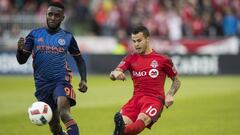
<point x="170" y="19"/>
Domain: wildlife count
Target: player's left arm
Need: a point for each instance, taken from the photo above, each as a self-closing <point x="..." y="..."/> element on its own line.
<point x="81" y="65"/>
<point x="24" y="48"/>
<point x="176" y="83"/>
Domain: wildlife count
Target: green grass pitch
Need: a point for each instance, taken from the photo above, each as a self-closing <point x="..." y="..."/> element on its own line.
<point x="204" y="105"/>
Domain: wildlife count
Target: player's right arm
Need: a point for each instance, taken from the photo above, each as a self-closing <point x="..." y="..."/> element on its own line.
<point x="117" y="74"/>
<point x="24" y="49"/>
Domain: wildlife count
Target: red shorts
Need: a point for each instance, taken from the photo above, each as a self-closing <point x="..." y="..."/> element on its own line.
<point x="151" y="106"/>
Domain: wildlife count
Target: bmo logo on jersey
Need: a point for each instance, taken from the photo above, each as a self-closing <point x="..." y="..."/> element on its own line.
<point x="139" y="73"/>
<point x="153" y="73"/>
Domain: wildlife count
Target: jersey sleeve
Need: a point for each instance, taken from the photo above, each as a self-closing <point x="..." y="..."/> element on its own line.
<point x="73" y="48"/>
<point x="29" y="43"/>
<point x="124" y="64"/>
<point x="169" y="68"/>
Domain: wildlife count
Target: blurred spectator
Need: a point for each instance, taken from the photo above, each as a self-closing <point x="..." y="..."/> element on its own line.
<point x="169" y="19"/>
<point x="100" y="16"/>
<point x="229" y="23"/>
<point x="5" y="7"/>
<point x="82" y="12"/>
<point x="15" y="31"/>
<point x="204" y="6"/>
<point x="138" y="13"/>
<point x="42" y="11"/>
<point x="30" y="7"/>
<point x="214" y="27"/>
<point x="79" y="17"/>
<point x="161" y="20"/>
<point x="174" y="23"/>
<point x="198" y="26"/>
<point x="1" y="31"/>
<point x="187" y="13"/>
<point x="112" y="22"/>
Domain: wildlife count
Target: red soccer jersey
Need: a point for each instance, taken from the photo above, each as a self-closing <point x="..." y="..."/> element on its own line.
<point x="148" y="73"/>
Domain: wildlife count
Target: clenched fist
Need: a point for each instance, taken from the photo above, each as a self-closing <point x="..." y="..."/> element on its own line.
<point x="117" y="75"/>
<point x="168" y="100"/>
<point x="83" y="87"/>
<point x="20" y="43"/>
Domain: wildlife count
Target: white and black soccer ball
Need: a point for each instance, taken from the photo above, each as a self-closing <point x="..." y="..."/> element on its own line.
<point x="40" y="113"/>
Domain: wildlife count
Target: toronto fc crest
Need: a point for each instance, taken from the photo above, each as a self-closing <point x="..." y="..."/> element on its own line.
<point x="154" y="64"/>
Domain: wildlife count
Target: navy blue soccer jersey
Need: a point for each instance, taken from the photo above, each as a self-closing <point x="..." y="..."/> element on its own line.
<point x="49" y="52"/>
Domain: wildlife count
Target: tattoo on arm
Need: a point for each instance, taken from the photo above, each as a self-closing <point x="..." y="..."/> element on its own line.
<point x="175" y="86"/>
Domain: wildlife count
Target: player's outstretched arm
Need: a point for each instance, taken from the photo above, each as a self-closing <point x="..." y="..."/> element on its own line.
<point x="117" y="74"/>
<point x="83" y="73"/>
<point x="22" y="56"/>
<point x="176" y="83"/>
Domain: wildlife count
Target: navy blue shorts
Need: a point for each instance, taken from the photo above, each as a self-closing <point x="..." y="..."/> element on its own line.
<point x="49" y="92"/>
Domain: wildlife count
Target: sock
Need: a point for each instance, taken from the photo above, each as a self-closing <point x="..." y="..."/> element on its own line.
<point x="134" y="128"/>
<point x="72" y="128"/>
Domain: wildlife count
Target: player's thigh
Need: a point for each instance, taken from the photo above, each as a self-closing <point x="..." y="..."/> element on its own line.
<point x="151" y="107"/>
<point x="65" y="89"/>
<point x="63" y="103"/>
<point x="131" y="110"/>
<point x="44" y="94"/>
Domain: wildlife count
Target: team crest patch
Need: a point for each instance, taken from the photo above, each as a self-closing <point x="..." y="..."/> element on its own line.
<point x="154" y="64"/>
<point x="153" y="73"/>
<point x="61" y="41"/>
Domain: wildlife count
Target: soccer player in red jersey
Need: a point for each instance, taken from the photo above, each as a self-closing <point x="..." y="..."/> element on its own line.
<point x="148" y="71"/>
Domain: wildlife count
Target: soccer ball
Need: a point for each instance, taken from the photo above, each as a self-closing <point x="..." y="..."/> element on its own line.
<point x="40" y="113"/>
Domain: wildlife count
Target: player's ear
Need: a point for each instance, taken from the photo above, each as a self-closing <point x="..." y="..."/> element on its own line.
<point x="148" y="38"/>
<point x="63" y="17"/>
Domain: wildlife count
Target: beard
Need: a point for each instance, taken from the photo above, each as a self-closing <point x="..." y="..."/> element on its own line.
<point x="53" y="28"/>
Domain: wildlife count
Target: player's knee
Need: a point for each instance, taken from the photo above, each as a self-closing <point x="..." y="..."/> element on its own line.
<point x="146" y="119"/>
<point x="127" y="120"/>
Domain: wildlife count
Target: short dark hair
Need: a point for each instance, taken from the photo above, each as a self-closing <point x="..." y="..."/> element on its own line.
<point x="56" y="4"/>
<point x="141" y="28"/>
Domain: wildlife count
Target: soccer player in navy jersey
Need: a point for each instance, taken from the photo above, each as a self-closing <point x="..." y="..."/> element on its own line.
<point x="148" y="71"/>
<point x="49" y="47"/>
